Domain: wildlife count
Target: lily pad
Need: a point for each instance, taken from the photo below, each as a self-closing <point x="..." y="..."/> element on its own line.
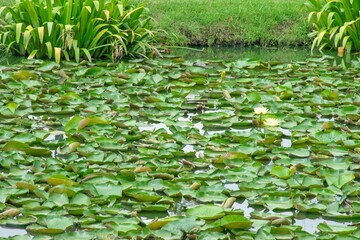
<point x="58" y="179"/>
<point x="233" y="222"/>
<point x="323" y="227"/>
<point x="207" y="212"/>
<point x="337" y="178"/>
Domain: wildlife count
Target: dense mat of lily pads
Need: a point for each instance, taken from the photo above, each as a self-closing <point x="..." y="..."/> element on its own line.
<point x="176" y="149"/>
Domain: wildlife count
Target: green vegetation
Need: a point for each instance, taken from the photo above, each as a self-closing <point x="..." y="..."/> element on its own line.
<point x="337" y="24"/>
<point x="75" y="29"/>
<point x="232" y="22"/>
<point x="175" y="149"/>
<point x="6" y="2"/>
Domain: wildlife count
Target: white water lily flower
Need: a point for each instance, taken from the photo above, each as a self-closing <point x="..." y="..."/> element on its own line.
<point x="272" y="122"/>
<point x="261" y="110"/>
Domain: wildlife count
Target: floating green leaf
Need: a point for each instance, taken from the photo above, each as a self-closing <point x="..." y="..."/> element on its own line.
<point x="233" y="222"/>
<point x="206" y="212"/>
<point x="323" y="227"/>
<point x="12" y="106"/>
<point x="157" y="224"/>
<point x="58" y="179"/>
<point x="282" y="172"/>
<point x="337" y="178"/>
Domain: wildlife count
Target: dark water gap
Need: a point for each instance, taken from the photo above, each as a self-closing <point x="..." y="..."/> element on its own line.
<point x="233" y="53"/>
<point x="286" y="54"/>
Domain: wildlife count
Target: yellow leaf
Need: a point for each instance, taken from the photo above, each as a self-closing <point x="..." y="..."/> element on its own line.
<point x="12" y="106"/>
<point x="83" y="123"/>
<point x="57" y="54"/>
<point x="157" y="224"/>
<point x="32" y="54"/>
<point x="49" y="49"/>
<point x="41" y="31"/>
<point x="226" y="94"/>
<point x="12" y="212"/>
<point x="228" y="202"/>
<point x="26" y="185"/>
<point x="142" y="169"/>
<point x="18" y="32"/>
<point x="73" y="146"/>
<point x="57" y="180"/>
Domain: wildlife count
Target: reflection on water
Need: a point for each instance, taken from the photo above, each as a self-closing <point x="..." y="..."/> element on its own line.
<point x="286" y="141"/>
<point x="8" y="59"/>
<point x="232" y="186"/>
<point x="324" y="119"/>
<point x="200" y="127"/>
<point x="199" y="154"/>
<point x="56" y="136"/>
<point x="216" y="132"/>
<point x="245" y="207"/>
<point x="286" y="55"/>
<point x="154" y="127"/>
<point x="188" y="148"/>
<point x="10" y="232"/>
<point x="233" y="53"/>
<point x="310" y="225"/>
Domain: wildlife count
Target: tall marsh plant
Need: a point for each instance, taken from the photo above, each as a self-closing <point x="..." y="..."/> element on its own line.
<point x="73" y="29"/>
<point x="336" y="24"/>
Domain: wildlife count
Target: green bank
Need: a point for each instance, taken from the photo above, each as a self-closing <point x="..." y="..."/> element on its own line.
<point x="232" y="22"/>
<point x="229" y="22"/>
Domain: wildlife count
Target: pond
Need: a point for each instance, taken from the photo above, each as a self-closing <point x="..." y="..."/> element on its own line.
<point x="189" y="146"/>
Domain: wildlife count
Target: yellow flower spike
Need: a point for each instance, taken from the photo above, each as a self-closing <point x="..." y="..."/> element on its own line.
<point x="272" y="122"/>
<point x="261" y="110"/>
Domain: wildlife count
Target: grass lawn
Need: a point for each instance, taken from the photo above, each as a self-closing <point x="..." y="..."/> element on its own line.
<point x="204" y="22"/>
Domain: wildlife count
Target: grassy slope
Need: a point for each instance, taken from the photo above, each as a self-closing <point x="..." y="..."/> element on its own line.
<point x="212" y="22"/>
<point x="231" y="22"/>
